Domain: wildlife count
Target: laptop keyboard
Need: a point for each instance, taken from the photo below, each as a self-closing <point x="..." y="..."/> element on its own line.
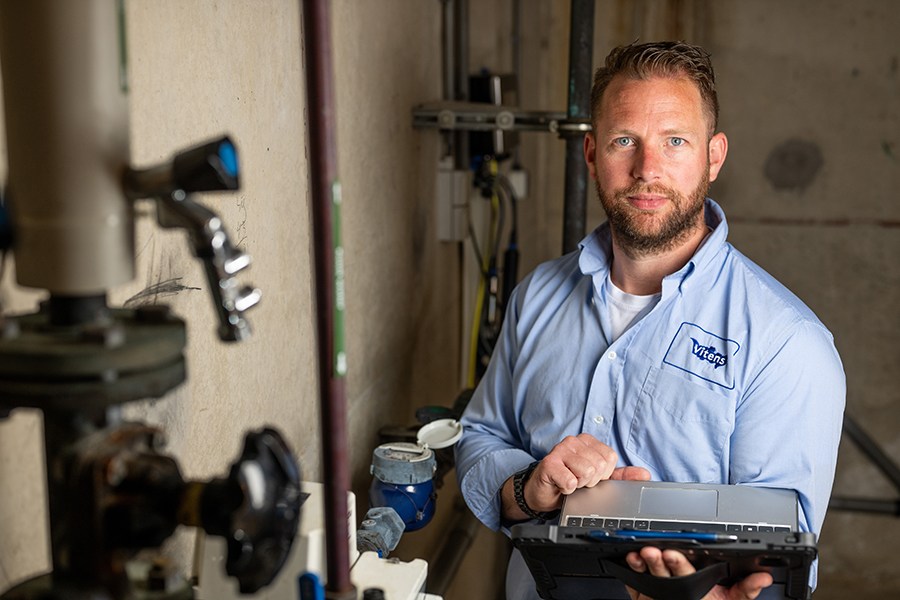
<point x="604" y="523"/>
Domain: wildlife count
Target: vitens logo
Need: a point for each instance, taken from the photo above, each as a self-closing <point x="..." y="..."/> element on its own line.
<point x="689" y="355"/>
<point x="709" y="354"/>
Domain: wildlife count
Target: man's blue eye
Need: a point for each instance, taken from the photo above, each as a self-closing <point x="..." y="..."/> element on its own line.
<point x="677" y="141"/>
<point x="622" y="141"/>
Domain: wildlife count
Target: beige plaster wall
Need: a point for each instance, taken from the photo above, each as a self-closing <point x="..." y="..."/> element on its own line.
<point x="206" y="67"/>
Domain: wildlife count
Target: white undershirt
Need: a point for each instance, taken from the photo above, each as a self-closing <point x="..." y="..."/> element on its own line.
<point x="625" y="309"/>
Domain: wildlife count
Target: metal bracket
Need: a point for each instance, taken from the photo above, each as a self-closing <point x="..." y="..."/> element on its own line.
<point x="478" y="116"/>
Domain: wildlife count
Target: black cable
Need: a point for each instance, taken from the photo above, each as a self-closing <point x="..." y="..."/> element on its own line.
<point x="475" y="246"/>
<point x="500" y="220"/>
<point x="496" y="248"/>
<point x="496" y="296"/>
<point x="507" y="187"/>
<point x="511" y="256"/>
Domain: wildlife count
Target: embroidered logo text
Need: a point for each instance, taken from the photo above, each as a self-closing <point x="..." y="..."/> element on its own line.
<point x="709" y="354"/>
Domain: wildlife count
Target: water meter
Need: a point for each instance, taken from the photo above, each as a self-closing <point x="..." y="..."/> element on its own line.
<point x="402" y="481"/>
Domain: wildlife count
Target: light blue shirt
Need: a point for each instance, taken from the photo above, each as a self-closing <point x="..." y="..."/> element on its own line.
<point x="729" y="379"/>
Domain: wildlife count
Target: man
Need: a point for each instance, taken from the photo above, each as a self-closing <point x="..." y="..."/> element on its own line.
<point x="657" y="350"/>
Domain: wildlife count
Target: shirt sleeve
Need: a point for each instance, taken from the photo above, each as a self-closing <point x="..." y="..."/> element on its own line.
<point x="491" y="449"/>
<point x="788" y="425"/>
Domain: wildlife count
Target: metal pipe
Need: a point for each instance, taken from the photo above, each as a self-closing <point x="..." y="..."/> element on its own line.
<point x="71" y="552"/>
<point x="443" y="569"/>
<point x="448" y="40"/>
<point x="325" y="202"/>
<point x="461" y="47"/>
<point x="890" y="507"/>
<point x="461" y="75"/>
<point x="581" y="48"/>
<point x="516" y="43"/>
<point x="871" y="449"/>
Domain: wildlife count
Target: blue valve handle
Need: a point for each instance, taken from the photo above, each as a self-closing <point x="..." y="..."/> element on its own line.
<point x="209" y="167"/>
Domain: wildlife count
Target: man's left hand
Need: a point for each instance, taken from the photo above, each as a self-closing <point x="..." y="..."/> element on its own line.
<point x="672" y="563"/>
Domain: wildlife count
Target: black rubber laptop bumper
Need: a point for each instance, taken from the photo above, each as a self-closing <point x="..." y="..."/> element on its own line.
<point x="567" y="563"/>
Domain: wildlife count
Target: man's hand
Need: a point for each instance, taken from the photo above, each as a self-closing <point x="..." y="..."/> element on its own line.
<point x="672" y="563"/>
<point x="575" y="462"/>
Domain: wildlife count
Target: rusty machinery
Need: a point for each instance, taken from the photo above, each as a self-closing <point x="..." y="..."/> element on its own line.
<point x="70" y="196"/>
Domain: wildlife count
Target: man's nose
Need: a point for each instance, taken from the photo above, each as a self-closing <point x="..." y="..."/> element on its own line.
<point x="647" y="163"/>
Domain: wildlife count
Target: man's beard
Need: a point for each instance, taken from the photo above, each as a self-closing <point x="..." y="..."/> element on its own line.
<point x="640" y="232"/>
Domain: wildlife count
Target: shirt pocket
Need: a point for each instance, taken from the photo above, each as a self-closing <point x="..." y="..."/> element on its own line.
<point x="681" y="429"/>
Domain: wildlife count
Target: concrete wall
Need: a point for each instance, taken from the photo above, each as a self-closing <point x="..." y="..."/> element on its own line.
<point x="824" y="73"/>
<point x="826" y="76"/>
<point x="801" y="83"/>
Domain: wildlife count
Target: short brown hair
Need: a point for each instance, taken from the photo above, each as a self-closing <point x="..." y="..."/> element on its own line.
<point x="659" y="59"/>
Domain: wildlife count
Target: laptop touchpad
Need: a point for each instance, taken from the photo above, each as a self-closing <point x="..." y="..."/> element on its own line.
<point x="675" y="501"/>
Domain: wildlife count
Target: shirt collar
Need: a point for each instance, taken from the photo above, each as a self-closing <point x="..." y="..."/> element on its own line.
<point x="596" y="249"/>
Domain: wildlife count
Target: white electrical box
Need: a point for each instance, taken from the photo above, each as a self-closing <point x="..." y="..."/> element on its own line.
<point x="453" y="189"/>
<point x="518" y="179"/>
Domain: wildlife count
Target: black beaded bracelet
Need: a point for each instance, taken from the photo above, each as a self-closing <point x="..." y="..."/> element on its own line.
<point x="519" y="480"/>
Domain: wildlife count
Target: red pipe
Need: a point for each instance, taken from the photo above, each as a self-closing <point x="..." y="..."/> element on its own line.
<point x="324" y="190"/>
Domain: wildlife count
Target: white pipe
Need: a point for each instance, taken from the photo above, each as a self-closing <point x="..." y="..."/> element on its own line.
<point x="67" y="140"/>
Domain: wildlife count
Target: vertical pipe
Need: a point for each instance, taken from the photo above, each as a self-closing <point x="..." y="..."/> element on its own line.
<point x="581" y="48"/>
<point x="448" y="40"/>
<point x="76" y="552"/>
<point x="516" y="43"/>
<point x="516" y="47"/>
<point x="461" y="75"/>
<point x="67" y="140"/>
<point x="325" y="199"/>
<point x="448" y="43"/>
<point x="461" y="34"/>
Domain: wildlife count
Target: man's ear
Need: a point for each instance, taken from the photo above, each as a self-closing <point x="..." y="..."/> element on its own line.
<point x="718" y="149"/>
<point x="590" y="153"/>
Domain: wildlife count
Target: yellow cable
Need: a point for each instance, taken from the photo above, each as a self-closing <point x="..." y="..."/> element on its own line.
<point x="485" y="263"/>
<point x="473" y="348"/>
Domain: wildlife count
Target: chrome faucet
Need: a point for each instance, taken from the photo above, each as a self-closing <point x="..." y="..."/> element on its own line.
<point x="211" y="166"/>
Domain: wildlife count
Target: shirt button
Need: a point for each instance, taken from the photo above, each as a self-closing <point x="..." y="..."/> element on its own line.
<point x="598" y="419"/>
<point x="611" y="356"/>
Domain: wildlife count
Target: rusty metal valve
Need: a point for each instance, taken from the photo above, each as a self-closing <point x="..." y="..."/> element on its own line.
<point x="256" y="509"/>
<point x="129" y="496"/>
